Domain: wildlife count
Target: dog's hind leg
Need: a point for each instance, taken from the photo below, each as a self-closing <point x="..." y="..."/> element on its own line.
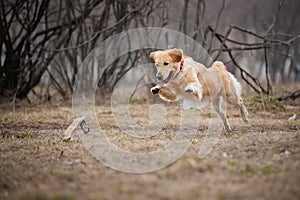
<point x="219" y="106"/>
<point x="238" y="101"/>
<point x="244" y="111"/>
<point x="233" y="96"/>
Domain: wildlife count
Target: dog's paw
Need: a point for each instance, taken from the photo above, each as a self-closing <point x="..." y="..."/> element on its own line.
<point x="189" y="89"/>
<point x="155" y="90"/>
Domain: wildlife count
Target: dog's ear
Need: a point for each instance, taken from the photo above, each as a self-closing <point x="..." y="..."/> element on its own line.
<point x="152" y="54"/>
<point x="175" y="54"/>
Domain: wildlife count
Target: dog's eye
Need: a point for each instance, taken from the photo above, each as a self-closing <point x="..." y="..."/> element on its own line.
<point x="166" y="63"/>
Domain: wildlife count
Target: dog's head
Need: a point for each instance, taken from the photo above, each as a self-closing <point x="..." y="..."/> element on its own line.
<point x="167" y="63"/>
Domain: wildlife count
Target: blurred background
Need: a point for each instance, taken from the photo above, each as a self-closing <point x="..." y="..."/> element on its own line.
<point x="43" y="42"/>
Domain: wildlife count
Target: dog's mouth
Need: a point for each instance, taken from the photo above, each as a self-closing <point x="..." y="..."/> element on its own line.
<point x="168" y="78"/>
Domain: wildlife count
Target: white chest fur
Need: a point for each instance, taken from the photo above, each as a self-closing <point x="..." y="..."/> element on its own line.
<point x="194" y="103"/>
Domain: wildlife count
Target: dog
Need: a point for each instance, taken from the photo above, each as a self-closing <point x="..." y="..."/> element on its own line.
<point x="191" y="83"/>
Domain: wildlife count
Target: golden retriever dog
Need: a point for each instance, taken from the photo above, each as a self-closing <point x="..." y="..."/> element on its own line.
<point x="185" y="80"/>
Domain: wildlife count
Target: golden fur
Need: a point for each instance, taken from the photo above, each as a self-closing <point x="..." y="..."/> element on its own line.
<point x="195" y="84"/>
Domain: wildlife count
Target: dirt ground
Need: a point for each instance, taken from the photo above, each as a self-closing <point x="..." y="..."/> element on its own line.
<point x="260" y="160"/>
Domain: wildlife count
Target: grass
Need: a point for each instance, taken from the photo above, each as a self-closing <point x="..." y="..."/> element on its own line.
<point x="133" y="100"/>
<point x="268" y="170"/>
<point x="267" y="103"/>
<point x="233" y="164"/>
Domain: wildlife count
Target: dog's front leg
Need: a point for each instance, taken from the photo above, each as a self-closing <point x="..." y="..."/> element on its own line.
<point x="164" y="93"/>
<point x="155" y="89"/>
<point x="193" y="85"/>
<point x="196" y="89"/>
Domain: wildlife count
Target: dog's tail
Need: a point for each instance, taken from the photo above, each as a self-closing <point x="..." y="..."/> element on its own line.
<point x="219" y="64"/>
<point x="236" y="84"/>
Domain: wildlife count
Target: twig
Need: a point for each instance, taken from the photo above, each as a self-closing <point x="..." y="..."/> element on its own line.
<point x="292" y="96"/>
<point x="245" y="48"/>
<point x="137" y="87"/>
<point x="269" y="88"/>
<point x="275" y="17"/>
<point x="216" y="26"/>
<point x="243" y="72"/>
<point x="95" y="34"/>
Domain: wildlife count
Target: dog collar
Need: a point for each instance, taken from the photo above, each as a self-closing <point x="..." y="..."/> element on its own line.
<point x="181" y="65"/>
<point x="181" y="68"/>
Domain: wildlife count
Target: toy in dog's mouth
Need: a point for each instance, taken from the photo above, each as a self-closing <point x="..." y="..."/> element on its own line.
<point x="168" y="78"/>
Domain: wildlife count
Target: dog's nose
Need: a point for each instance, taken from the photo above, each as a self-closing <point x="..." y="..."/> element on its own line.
<point x="159" y="77"/>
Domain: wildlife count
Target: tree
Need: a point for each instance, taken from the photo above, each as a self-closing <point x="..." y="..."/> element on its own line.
<point x="29" y="29"/>
<point x="54" y="36"/>
<point x="110" y="18"/>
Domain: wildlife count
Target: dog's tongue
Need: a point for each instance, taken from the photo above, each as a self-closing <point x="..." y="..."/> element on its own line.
<point x="168" y="78"/>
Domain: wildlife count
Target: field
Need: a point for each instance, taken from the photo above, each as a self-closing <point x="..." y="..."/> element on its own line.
<point x="260" y="160"/>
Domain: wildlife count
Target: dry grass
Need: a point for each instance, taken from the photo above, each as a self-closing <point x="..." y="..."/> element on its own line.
<point x="261" y="160"/>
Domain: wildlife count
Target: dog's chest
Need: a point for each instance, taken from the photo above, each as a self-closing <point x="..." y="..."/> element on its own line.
<point x="191" y="102"/>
